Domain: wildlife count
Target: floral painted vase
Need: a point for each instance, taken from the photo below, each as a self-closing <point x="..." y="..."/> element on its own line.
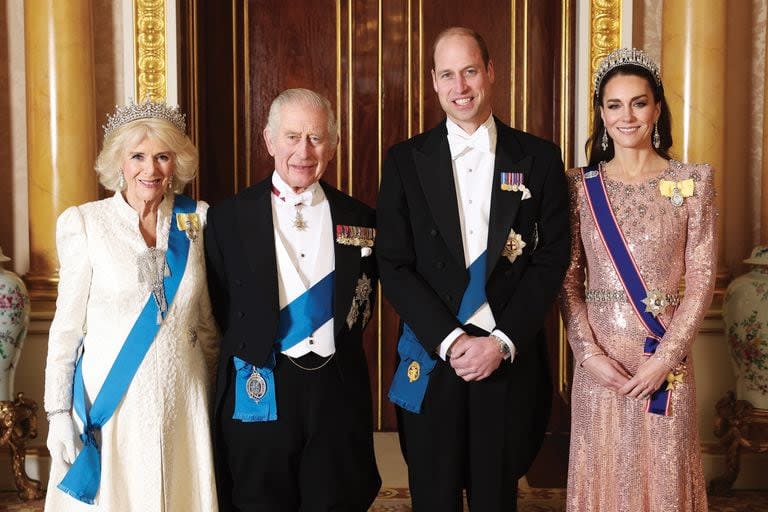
<point x="745" y="311"/>
<point x="14" y="319"/>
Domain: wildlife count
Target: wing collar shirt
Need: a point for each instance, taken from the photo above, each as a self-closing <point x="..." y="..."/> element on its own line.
<point x="472" y="159"/>
<point x="305" y="256"/>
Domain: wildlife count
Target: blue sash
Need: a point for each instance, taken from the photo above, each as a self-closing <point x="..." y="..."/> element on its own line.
<point x="629" y="274"/>
<point x="409" y="385"/>
<point x="84" y="476"/>
<point x="298" y="320"/>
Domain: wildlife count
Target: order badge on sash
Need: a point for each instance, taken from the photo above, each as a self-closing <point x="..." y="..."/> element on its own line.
<point x="254" y="391"/>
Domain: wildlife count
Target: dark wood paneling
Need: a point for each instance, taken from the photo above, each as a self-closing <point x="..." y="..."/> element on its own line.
<point x="287" y="46"/>
<point x="492" y="20"/>
<point x="373" y="61"/>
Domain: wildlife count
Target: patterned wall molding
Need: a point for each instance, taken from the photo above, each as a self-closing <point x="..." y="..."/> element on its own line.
<point x="151" y="54"/>
<point x="605" y="36"/>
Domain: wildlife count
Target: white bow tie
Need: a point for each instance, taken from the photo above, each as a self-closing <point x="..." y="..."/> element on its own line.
<point x="294" y="199"/>
<point x="459" y="143"/>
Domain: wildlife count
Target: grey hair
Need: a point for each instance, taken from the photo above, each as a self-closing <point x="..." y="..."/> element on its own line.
<point x="118" y="143"/>
<point x="307" y="97"/>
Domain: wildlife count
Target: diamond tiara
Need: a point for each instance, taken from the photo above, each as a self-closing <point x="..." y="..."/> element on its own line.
<point x="145" y="110"/>
<point x="626" y="57"/>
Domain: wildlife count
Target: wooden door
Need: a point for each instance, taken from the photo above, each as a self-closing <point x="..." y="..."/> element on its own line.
<point x="372" y="59"/>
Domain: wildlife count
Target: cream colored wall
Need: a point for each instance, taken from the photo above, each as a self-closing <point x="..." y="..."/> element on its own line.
<point x="14" y="226"/>
<point x="745" y="57"/>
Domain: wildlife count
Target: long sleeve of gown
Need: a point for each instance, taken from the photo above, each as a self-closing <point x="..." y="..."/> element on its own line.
<point x="700" y="270"/>
<point x="572" y="295"/>
<point x="208" y="332"/>
<point x="68" y="327"/>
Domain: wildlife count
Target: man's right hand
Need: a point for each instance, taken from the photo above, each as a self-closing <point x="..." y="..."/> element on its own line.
<point x="62" y="437"/>
<point x="475" y="358"/>
<point x="606" y="371"/>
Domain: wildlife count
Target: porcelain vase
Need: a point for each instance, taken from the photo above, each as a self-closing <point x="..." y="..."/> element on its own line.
<point x="14" y="320"/>
<point x="745" y="312"/>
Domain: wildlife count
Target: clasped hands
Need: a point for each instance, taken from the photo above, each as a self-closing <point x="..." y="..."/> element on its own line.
<point x="475" y="357"/>
<point x="62" y="438"/>
<point x="609" y="373"/>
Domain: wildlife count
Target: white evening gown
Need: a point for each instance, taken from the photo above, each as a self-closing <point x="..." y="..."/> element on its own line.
<point x="156" y="450"/>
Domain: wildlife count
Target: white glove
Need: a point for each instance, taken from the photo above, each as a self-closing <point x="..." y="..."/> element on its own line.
<point x="62" y="438"/>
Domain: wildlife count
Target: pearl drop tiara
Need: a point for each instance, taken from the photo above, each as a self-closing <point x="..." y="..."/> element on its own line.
<point x="625" y="57"/>
<point x="145" y="110"/>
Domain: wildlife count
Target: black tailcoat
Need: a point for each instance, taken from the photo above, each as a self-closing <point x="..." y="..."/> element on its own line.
<point x="243" y="284"/>
<point x="423" y="271"/>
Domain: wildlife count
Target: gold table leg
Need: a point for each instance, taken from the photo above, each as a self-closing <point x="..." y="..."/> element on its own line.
<point x="739" y="425"/>
<point x="18" y="424"/>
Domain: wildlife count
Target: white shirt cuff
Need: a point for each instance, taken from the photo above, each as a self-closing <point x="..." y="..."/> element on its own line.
<point x="442" y="348"/>
<point x="503" y="337"/>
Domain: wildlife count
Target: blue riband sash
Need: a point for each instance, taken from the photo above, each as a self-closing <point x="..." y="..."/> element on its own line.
<point x="84" y="476"/>
<point x="298" y="320"/>
<point x="628" y="272"/>
<point x="409" y="385"/>
<point x="305" y="314"/>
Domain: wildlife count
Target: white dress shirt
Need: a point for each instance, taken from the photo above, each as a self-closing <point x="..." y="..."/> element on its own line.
<point x="472" y="159"/>
<point x="304" y="257"/>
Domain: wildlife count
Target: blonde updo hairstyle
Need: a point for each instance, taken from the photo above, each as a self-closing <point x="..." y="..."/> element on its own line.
<point x="119" y="142"/>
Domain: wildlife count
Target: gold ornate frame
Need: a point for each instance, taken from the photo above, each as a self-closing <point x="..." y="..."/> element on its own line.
<point x="151" y="57"/>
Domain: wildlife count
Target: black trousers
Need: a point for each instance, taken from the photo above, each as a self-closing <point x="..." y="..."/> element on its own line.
<point x="457" y="443"/>
<point x="318" y="455"/>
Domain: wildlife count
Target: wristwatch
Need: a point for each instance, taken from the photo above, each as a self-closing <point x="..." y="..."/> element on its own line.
<point x="503" y="347"/>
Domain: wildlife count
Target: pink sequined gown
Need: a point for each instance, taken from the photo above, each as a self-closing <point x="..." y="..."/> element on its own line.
<point x="622" y="458"/>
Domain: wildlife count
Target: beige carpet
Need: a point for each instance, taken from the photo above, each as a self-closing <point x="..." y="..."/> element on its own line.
<point x="394" y="495"/>
<point x="531" y="500"/>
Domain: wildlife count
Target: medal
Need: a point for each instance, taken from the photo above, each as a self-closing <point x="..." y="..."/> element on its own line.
<point x="414" y="371"/>
<point x="676" y="191"/>
<point x="256" y="386"/>
<point x="359" y="236"/>
<point x="361" y="299"/>
<point x="189" y="223"/>
<point x="299" y="222"/>
<point x="677" y="197"/>
<point x="514" y="245"/>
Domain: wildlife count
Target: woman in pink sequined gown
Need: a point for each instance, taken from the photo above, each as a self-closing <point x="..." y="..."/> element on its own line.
<point x="623" y="458"/>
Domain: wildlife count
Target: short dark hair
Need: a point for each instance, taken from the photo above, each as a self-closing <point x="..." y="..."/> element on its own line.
<point x="463" y="31"/>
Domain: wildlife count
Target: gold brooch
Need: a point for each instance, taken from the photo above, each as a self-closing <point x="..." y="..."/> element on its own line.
<point x="513" y="247"/>
<point x="674" y="378"/>
<point x="676" y="190"/>
<point x="189" y="223"/>
<point x="414" y="371"/>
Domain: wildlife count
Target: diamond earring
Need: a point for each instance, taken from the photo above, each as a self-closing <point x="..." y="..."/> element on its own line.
<point x="604" y="141"/>
<point x="170" y="182"/>
<point x="120" y="180"/>
<point x="656" y="137"/>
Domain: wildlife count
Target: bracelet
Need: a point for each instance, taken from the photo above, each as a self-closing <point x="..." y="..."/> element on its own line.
<point x="50" y="414"/>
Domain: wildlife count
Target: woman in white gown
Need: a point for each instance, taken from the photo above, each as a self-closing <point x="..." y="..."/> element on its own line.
<point x="124" y="283"/>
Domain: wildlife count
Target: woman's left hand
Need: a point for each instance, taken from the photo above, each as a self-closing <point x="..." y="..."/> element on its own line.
<point x="647" y="380"/>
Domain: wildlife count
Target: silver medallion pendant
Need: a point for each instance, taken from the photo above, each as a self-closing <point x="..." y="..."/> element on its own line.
<point x="256" y="386"/>
<point x="677" y="197"/>
<point x="299" y="222"/>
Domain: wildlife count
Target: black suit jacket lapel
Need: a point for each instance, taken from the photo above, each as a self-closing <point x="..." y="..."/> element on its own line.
<point x="254" y="222"/>
<point x="347" y="260"/>
<point x="504" y="204"/>
<point x="435" y="172"/>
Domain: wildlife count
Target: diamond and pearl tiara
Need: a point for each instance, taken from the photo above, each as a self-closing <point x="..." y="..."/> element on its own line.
<point x="626" y="57"/>
<point x="145" y="110"/>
